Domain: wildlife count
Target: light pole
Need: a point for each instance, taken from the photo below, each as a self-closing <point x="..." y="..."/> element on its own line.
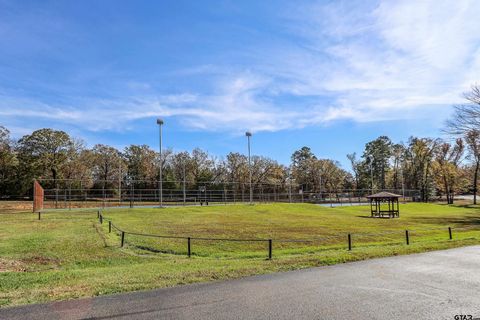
<point x="160" y="124"/>
<point x="248" y="135"/>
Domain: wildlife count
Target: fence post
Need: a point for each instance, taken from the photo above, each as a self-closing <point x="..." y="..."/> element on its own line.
<point x="109" y="226"/>
<point x="123" y="239"/>
<point x="189" y="247"/>
<point x="39" y="215"/>
<point x="450" y="232"/>
<point x="98" y="214"/>
<point x="101" y="219"/>
<point x="349" y="242"/>
<point x="407" y="237"/>
<point x="269" y="249"/>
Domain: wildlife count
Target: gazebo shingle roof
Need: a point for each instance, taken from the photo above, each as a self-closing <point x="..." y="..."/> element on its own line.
<point x="384" y="195"/>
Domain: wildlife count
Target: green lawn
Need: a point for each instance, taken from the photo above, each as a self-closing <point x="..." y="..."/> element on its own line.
<point x="70" y="254"/>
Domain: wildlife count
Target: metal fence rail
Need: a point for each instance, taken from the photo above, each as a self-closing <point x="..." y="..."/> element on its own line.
<point x="66" y="196"/>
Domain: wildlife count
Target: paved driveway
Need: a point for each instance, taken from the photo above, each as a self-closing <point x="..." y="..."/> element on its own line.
<point x="435" y="285"/>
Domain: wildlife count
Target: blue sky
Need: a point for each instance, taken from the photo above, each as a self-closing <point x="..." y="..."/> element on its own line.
<point x="329" y="75"/>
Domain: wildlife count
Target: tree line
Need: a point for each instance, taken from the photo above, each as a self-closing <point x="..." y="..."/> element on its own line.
<point x="433" y="166"/>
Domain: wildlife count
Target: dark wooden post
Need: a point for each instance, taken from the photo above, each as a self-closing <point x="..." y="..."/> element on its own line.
<point x="189" y="247"/>
<point x="109" y="226"/>
<point x="101" y="219"/>
<point x="349" y="242"/>
<point x="123" y="239"/>
<point x="407" y="237"/>
<point x="39" y="215"/>
<point x="269" y="249"/>
<point x="450" y="232"/>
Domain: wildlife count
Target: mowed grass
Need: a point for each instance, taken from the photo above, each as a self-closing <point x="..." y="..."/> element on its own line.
<point x="70" y="254"/>
<point x="292" y="228"/>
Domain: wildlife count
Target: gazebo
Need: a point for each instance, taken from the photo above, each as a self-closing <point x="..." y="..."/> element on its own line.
<point x="379" y="203"/>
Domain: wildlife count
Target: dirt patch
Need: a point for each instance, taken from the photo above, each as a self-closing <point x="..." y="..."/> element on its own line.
<point x="40" y="260"/>
<point x="12" y="266"/>
<point x="15" y="206"/>
<point x="28" y="264"/>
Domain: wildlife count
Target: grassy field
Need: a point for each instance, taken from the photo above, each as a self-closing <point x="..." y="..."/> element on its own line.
<point x="70" y="254"/>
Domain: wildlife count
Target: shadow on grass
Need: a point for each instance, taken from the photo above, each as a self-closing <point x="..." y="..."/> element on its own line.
<point x="370" y="217"/>
<point x="150" y="249"/>
<point x="449" y="221"/>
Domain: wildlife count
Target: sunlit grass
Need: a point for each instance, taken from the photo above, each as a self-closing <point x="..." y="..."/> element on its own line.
<point x="70" y="254"/>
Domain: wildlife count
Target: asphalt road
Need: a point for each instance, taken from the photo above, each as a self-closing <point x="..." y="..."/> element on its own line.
<point x="435" y="285"/>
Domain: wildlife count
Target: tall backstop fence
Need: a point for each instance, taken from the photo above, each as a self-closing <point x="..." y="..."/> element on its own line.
<point x="67" y="194"/>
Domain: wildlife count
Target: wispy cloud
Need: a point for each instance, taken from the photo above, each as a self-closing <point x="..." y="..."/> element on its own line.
<point x="336" y="61"/>
<point x="399" y="56"/>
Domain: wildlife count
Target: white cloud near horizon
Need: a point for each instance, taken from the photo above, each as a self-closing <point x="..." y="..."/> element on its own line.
<point x="341" y="61"/>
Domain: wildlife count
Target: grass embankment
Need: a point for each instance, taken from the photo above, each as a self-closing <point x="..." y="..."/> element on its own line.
<point x="69" y="254"/>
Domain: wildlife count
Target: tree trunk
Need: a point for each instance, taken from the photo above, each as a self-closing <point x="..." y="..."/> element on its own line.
<point x="475" y="181"/>
<point x="54" y="176"/>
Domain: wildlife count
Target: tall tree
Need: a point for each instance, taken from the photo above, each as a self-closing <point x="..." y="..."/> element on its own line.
<point x="355" y="164"/>
<point x="142" y="164"/>
<point x="181" y="164"/>
<point x="236" y="166"/>
<point x="329" y="175"/>
<point x="378" y="153"/>
<point x="78" y="166"/>
<point x="8" y="163"/>
<point x="303" y="162"/>
<point x="418" y="165"/>
<point x="472" y="139"/>
<point x="107" y="163"/>
<point x="44" y="152"/>
<point x="398" y="156"/>
<point x="447" y="159"/>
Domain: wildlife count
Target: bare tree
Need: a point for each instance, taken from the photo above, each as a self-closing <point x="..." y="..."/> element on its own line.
<point x="466" y="116"/>
<point x="352" y="157"/>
